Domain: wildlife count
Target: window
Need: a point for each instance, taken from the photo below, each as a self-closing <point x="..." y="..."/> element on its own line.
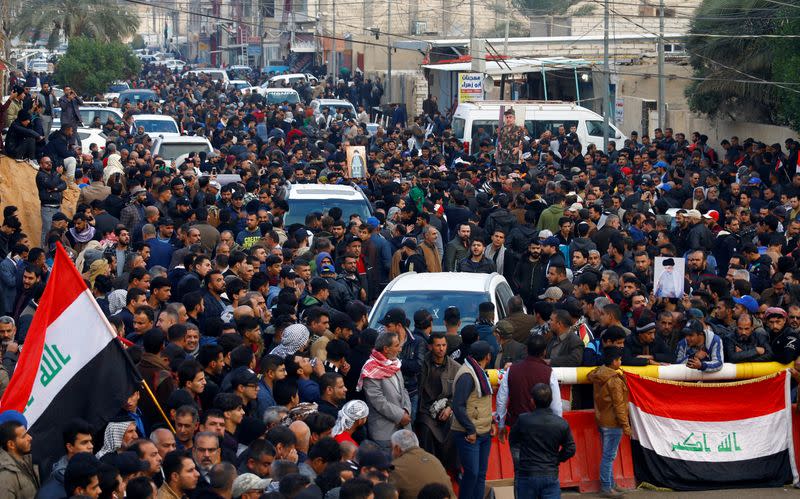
<point x="267" y="8"/>
<point x="458" y="127"/>
<point x="537" y="128"/>
<point x="595" y="129"/>
<point x="420" y="27"/>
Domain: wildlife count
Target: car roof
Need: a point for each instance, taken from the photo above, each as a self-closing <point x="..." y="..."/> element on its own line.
<point x="182" y="139"/>
<point x="154" y="117"/>
<point x="443" y="281"/>
<point x="334" y="101"/>
<point x="323" y="191"/>
<point x="273" y="90"/>
<point x="137" y="91"/>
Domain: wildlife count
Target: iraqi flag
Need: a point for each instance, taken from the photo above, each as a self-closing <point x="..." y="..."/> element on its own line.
<point x="699" y="436"/>
<point x="71" y="364"/>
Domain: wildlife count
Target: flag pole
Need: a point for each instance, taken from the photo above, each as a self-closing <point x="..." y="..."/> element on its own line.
<point x="155" y="401"/>
<point x="117" y="341"/>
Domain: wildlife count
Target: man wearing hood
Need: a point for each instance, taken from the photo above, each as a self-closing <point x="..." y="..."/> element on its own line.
<point x="552" y="214"/>
<point x="21" y="137"/>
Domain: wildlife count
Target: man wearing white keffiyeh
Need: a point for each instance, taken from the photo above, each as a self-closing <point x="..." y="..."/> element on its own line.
<point x="118" y="436"/>
<point x="352" y="416"/>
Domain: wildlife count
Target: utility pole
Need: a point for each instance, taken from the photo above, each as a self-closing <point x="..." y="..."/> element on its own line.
<point x="505" y="43"/>
<point x="606" y="100"/>
<point x="661" y="97"/>
<point x="389" y="51"/>
<point x="334" y="53"/>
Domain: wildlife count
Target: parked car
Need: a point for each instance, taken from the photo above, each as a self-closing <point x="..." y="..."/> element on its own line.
<point x="115" y="88"/>
<point x="89" y="113"/>
<point x="89" y="136"/>
<point x="435" y="291"/>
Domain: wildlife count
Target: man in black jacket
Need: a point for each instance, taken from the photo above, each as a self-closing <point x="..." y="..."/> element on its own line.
<point x="545" y="441"/>
<point x="51" y="186"/>
<point x="645" y="347"/>
<point x="21" y="137"/>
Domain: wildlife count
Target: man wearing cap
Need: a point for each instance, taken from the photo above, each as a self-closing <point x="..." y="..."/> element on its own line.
<point x="249" y="486"/>
<point x="510" y="350"/>
<point x="644" y="347"/>
<point x="407" y="259"/>
<point x="700" y="349"/>
<point x="19" y="477"/>
<point x="509" y="140"/>
<point x="784" y="341"/>
<point x="749" y="345"/>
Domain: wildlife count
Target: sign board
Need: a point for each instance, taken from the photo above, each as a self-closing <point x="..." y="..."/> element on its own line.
<point x="619" y="111"/>
<point x="470" y="87"/>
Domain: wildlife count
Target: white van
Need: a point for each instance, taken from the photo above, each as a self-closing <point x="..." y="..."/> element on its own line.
<point x="287" y="80"/>
<point x="215" y="74"/>
<point x="539" y="116"/>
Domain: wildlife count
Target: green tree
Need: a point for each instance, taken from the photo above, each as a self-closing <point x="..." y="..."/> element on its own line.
<point x="104" y="20"/>
<point x="138" y="42"/>
<point x="725" y="62"/>
<point x="787" y="69"/>
<point x="90" y="65"/>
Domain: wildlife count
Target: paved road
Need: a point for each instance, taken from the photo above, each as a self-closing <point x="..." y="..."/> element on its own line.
<point x="713" y="494"/>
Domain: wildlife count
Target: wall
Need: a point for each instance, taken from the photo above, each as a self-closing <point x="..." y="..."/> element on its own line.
<point x="636" y="89"/>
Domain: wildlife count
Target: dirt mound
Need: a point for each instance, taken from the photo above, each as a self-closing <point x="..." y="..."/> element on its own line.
<point x="18" y="188"/>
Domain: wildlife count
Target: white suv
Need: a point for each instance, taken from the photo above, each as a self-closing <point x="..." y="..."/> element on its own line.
<point x="308" y="198"/>
<point x="436" y="291"/>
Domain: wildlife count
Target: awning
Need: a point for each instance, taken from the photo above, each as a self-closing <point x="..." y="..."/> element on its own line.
<point x="515" y="66"/>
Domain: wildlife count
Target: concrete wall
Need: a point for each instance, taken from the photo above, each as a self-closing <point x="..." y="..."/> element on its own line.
<point x="637" y="89"/>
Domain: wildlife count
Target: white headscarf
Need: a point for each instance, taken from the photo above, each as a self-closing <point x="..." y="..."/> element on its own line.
<point x="348" y="415"/>
<point x="112" y="440"/>
<point x="293" y="340"/>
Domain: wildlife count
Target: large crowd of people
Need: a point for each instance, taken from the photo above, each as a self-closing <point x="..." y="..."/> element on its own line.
<point x="254" y="335"/>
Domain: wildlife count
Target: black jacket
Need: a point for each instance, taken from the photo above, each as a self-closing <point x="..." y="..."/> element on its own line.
<point x="544" y="441"/>
<point x="658" y="349"/>
<point x="51" y="186"/>
<point x="58" y="147"/>
<point x="17" y="132"/>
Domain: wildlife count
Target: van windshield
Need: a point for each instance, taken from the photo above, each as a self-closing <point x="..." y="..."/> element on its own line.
<point x="279" y="97"/>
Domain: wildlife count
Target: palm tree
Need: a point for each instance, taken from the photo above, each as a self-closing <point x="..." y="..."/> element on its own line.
<point x="104" y="20"/>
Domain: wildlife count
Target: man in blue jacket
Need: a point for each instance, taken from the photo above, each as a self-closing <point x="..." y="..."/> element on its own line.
<point x="700" y="349"/>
